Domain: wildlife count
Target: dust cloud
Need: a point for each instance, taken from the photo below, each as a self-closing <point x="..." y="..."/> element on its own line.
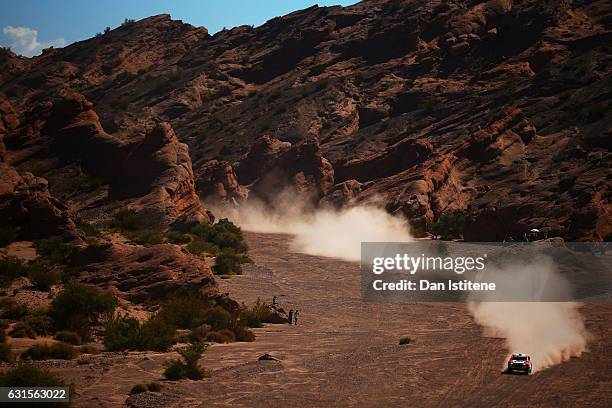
<point x="550" y="332"/>
<point x="330" y="232"/>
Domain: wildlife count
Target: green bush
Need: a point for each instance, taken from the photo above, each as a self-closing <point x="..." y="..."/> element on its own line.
<point x="8" y="235"/>
<point x="197" y="246"/>
<point x="189" y="367"/>
<point x="40" y="322"/>
<point x="5" y="353"/>
<point x="139" y="388"/>
<point x="41" y="277"/>
<point x="243" y="334"/>
<point x="405" y="340"/>
<point x="218" y="318"/>
<point x="146" y="237"/>
<point x="45" y="351"/>
<point x="450" y="225"/>
<point x="125" y="220"/>
<point x="178" y="237"/>
<point x="127" y="333"/>
<point x="185" y="309"/>
<point x="155" y="387"/>
<point x="23" y="330"/>
<point x="174" y="371"/>
<point x="88" y="229"/>
<point x="26" y="375"/>
<point x="54" y="249"/>
<point x="69" y="337"/>
<point x="228" y="263"/>
<point x="9" y="309"/>
<point x="79" y="306"/>
<point x="10" y="268"/>
<point x="257" y="314"/>
<point x="218" y="337"/>
<point x="224" y="234"/>
<point x="199" y="333"/>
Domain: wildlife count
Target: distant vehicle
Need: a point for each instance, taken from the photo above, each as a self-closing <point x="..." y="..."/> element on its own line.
<point x="519" y="363"/>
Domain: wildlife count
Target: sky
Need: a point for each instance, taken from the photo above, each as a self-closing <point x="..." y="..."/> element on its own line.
<point x="28" y="26"/>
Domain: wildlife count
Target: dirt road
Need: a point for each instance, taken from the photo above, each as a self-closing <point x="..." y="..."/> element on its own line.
<point x="345" y="352"/>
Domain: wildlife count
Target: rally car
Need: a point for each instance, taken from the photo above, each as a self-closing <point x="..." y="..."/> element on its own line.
<point x="519" y="363"/>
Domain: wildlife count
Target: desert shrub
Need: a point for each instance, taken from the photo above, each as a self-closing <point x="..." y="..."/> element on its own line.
<point x="218" y="318"/>
<point x="88" y="229"/>
<point x="198" y="246"/>
<point x="89" y="349"/>
<point x="224" y="234"/>
<point x="217" y="337"/>
<point x="156" y="334"/>
<point x="69" y="337"/>
<point x="26" y="375"/>
<point x="405" y="340"/>
<point x="228" y="263"/>
<point x="139" y="388"/>
<point x="54" y="249"/>
<point x="9" y="309"/>
<point x="146" y="237"/>
<point x="10" y="268"/>
<point x="243" y="334"/>
<point x="23" y="330"/>
<point x="41" y="277"/>
<point x="128" y="22"/>
<point x="450" y="225"/>
<point x="228" y="334"/>
<point x="155" y="387"/>
<point x="174" y="371"/>
<point x="127" y="333"/>
<point x="257" y="314"/>
<point x="79" y="306"/>
<point x="189" y="366"/>
<point x="40" y="322"/>
<point x="45" y="351"/>
<point x="8" y="235"/>
<point x="178" y="237"/>
<point x="418" y="232"/>
<point x="120" y="333"/>
<point x="185" y="309"/>
<point x="125" y="220"/>
<point x="199" y="333"/>
<point x="5" y="353"/>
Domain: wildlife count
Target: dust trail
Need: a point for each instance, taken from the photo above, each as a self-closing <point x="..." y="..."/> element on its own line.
<point x="550" y="332"/>
<point x="328" y="232"/>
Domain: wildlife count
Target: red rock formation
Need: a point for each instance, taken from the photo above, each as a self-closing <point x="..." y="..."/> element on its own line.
<point x="217" y="182"/>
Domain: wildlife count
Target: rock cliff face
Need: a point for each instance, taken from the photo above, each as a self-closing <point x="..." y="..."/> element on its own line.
<point x="497" y="108"/>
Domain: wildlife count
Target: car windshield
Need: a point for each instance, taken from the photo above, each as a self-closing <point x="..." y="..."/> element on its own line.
<point x="519" y="358"/>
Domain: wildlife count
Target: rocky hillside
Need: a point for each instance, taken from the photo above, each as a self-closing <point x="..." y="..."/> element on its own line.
<point x="499" y="109"/>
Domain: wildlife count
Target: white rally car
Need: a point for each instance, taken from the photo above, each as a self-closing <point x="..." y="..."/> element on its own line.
<point x="520" y="363"/>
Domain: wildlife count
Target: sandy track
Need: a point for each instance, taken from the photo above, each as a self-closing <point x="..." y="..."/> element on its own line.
<point x="345" y="352"/>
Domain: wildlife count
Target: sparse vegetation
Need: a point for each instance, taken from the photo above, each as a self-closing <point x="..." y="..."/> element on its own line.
<point x="8" y="235"/>
<point x="9" y="309"/>
<point x="127" y="333"/>
<point x="257" y="314"/>
<point x="54" y="249"/>
<point x="125" y="220"/>
<point x="146" y="237"/>
<point x="26" y="375"/>
<point x="5" y="353"/>
<point x="42" y="277"/>
<point x="189" y="366"/>
<point x="178" y="237"/>
<point x="88" y="229"/>
<point x="140" y="388"/>
<point x="79" y="306"/>
<point x="405" y="340"/>
<point x="450" y="225"/>
<point x="127" y="22"/>
<point x="10" y="268"/>
<point x="69" y="337"/>
<point x="46" y="351"/>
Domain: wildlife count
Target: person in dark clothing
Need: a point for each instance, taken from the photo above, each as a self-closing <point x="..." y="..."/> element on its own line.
<point x="295" y="316"/>
<point x="274" y="301"/>
<point x="291" y="316"/>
